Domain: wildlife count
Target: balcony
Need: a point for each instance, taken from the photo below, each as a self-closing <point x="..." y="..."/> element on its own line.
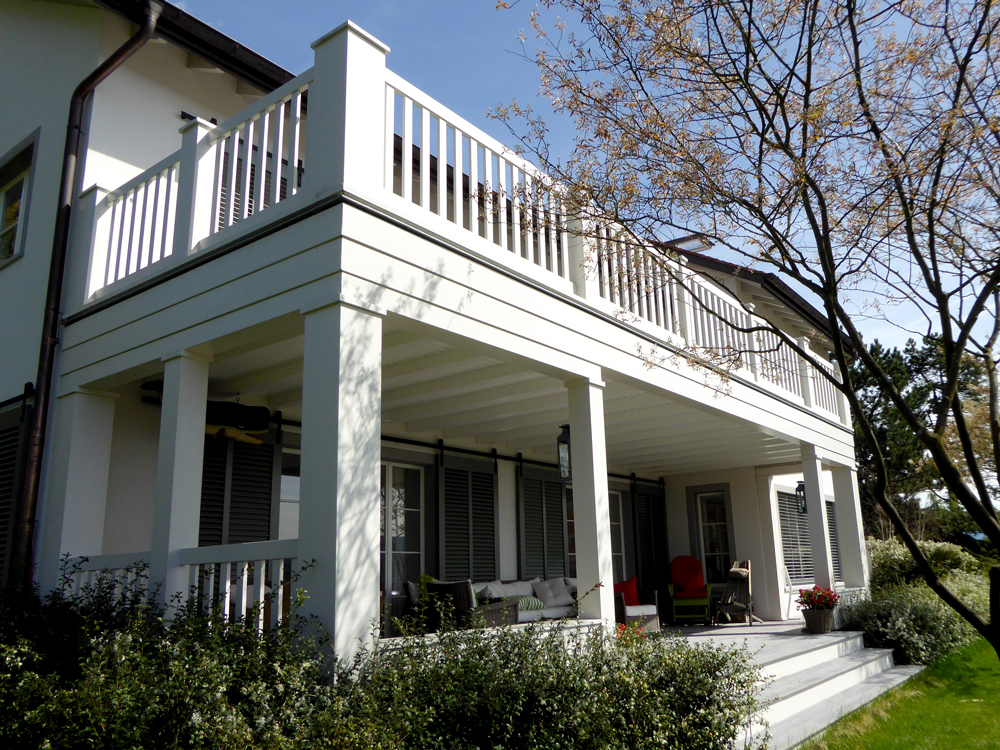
<point x="349" y="127"/>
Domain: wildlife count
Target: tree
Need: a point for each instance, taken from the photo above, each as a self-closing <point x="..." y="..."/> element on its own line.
<point x="913" y="484"/>
<point x="852" y="146"/>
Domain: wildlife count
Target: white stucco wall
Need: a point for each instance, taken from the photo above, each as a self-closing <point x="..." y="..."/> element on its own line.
<point x="44" y="47"/>
<point x="507" y="518"/>
<point x="128" y="519"/>
<point x="137" y="111"/>
<point x="750" y="528"/>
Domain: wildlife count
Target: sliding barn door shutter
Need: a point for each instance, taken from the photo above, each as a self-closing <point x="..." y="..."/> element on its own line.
<point x="468" y="522"/>
<point x="652" y="556"/>
<point x="457" y="514"/>
<point x="533" y="529"/>
<point x="240" y="491"/>
<point x="251" y="495"/>
<point x="543" y="525"/>
<point x="214" y="473"/>
<point x="13" y="448"/>
<point x="484" y="541"/>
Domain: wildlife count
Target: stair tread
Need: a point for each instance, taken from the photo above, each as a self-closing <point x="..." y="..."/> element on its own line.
<point x="793" y="684"/>
<point x="773" y="652"/>
<point x="799" y="727"/>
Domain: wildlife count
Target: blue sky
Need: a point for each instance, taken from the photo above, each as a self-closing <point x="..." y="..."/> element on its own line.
<point x="464" y="53"/>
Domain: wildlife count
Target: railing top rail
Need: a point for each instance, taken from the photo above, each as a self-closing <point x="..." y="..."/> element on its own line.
<point x="164" y="163"/>
<point x="452" y="118"/>
<point x="223" y="553"/>
<point x="265" y="102"/>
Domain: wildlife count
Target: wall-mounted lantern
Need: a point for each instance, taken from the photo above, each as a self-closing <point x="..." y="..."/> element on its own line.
<point x="800" y="497"/>
<point x="562" y="446"/>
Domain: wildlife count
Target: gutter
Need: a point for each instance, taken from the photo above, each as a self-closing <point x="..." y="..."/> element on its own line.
<point x="23" y="560"/>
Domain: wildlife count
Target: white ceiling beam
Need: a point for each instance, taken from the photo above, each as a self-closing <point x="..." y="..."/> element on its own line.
<point x="426" y="364"/>
<point x="464" y="382"/>
<point x="491" y="397"/>
<point x="254" y="380"/>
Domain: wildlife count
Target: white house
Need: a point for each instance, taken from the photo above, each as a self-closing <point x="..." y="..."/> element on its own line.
<point x="400" y="329"/>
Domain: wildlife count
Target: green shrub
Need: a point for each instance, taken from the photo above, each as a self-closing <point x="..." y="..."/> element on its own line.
<point x="106" y="669"/>
<point x="545" y="688"/>
<point x="914" y="622"/>
<point x="893" y="565"/>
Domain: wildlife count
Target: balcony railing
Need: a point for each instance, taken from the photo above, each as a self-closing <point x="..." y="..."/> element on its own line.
<point x="377" y="136"/>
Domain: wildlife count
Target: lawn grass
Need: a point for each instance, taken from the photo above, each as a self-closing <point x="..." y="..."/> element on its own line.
<point x="954" y="704"/>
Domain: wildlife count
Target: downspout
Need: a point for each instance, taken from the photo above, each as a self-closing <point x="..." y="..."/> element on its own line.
<point x="23" y="562"/>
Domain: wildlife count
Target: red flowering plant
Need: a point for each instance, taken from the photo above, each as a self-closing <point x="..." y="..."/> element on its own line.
<point x="818" y="598"/>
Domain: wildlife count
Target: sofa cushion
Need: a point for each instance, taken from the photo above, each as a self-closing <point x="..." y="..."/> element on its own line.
<point x="628" y="588"/>
<point x="643" y="610"/>
<point x="571" y="582"/>
<point x="519" y="588"/>
<point x="554" y="592"/>
<point x="491" y="590"/>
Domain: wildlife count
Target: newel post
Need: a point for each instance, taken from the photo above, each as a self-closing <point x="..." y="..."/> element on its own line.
<point x="87" y="267"/>
<point x="347" y="102"/>
<point x="195" y="178"/>
<point x="583" y="258"/>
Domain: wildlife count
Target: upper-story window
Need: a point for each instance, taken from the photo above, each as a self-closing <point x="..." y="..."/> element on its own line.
<point x="15" y="174"/>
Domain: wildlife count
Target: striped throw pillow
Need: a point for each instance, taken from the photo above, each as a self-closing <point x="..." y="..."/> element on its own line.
<point x="525" y="603"/>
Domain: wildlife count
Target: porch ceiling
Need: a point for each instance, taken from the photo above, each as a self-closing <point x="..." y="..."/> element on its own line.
<point x="472" y="398"/>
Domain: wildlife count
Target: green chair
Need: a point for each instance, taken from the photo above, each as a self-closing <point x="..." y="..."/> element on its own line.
<point x="688" y="590"/>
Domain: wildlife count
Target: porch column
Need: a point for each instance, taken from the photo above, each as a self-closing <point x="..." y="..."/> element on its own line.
<point x="78" y="484"/>
<point x="341" y="451"/>
<point x="177" y="503"/>
<point x="588" y="454"/>
<point x="850" y="530"/>
<point x="812" y="470"/>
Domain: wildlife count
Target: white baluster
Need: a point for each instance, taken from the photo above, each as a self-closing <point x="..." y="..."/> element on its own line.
<point x="425" y="158"/>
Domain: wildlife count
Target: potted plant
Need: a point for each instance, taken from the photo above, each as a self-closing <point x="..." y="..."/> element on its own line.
<point x="817" y="608"/>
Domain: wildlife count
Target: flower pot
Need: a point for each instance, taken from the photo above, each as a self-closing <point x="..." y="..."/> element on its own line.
<point x="818" y="620"/>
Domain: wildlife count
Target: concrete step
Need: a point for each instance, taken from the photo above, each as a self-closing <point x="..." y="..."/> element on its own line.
<point x="806" y="688"/>
<point x="800" y="654"/>
<point x="798" y="727"/>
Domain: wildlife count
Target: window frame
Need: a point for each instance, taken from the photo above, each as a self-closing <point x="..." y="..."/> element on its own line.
<point x="27" y="146"/>
<point x="385" y="574"/>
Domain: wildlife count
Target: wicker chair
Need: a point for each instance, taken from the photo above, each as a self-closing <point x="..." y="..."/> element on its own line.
<point x="688" y="590"/>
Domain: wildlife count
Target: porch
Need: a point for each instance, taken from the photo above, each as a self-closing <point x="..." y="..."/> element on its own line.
<point x="405" y="318"/>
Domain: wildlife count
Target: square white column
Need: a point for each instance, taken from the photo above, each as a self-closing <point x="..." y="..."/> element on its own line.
<point x="812" y="471"/>
<point x="588" y="454"/>
<point x="177" y="504"/>
<point x="77" y="489"/>
<point x="339" y="488"/>
<point x="850" y="529"/>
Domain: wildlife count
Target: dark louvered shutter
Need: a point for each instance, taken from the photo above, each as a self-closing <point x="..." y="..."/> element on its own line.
<point x="240" y="485"/>
<point x="652" y="558"/>
<point x="796" y="545"/>
<point x="533" y="528"/>
<point x="251" y="494"/>
<point x="831" y="523"/>
<point x="543" y="525"/>
<point x="457" y="514"/>
<point x="13" y="445"/>
<point x="213" y="491"/>
<point x="468" y="524"/>
<point x="484" y="543"/>
<point x="555" y="531"/>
